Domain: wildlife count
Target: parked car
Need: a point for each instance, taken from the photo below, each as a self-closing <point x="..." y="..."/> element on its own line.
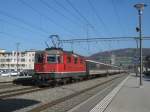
<point x="5" y="74"/>
<point x="13" y="73"/>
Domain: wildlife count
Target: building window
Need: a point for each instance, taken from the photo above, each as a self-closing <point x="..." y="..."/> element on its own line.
<point x="8" y="60"/>
<point x="32" y="59"/>
<point x="22" y="54"/>
<point x="22" y="60"/>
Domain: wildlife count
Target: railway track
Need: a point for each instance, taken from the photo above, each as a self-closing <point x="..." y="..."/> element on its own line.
<point x="3" y="86"/>
<point x="5" y="82"/>
<point x="17" y="91"/>
<point x="66" y="98"/>
<point x="21" y="91"/>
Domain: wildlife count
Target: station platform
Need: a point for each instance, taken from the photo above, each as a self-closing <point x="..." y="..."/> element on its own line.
<point x="130" y="97"/>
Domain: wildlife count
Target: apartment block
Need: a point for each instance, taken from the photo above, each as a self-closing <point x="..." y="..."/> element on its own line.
<point x="8" y="60"/>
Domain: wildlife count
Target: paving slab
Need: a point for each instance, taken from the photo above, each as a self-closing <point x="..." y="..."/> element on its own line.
<point x="132" y="97"/>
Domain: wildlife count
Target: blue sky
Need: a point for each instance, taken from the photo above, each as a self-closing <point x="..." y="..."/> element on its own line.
<point x="30" y="22"/>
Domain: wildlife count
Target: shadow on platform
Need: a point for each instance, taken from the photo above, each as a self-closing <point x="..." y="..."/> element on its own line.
<point x="146" y="78"/>
<point x="9" y="105"/>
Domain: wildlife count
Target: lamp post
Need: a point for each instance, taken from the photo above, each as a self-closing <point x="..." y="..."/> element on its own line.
<point x="137" y="47"/>
<point x="140" y="8"/>
<point x="17" y="45"/>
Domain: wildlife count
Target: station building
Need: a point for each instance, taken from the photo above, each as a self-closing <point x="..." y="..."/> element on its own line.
<point x="8" y="60"/>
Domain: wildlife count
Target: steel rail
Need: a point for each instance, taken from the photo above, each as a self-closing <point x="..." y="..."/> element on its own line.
<point x="21" y="91"/>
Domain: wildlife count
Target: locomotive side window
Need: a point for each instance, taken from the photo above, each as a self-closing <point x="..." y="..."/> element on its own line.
<point x="75" y="60"/>
<point x="59" y="59"/>
<point x="81" y="60"/>
<point x="53" y="59"/>
<point x="68" y="59"/>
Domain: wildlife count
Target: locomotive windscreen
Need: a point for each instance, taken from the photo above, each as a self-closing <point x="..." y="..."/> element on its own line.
<point x="39" y="58"/>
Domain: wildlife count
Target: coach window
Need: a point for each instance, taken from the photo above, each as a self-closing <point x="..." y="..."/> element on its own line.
<point x="68" y="59"/>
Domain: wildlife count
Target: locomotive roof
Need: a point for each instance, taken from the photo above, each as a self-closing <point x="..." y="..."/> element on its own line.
<point x="60" y="50"/>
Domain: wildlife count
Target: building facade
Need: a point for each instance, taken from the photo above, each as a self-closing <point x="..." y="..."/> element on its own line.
<point x="118" y="61"/>
<point x="13" y="60"/>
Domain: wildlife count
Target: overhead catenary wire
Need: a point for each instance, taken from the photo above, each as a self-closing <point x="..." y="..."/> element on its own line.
<point x="87" y="36"/>
<point x="59" y="12"/>
<point x="82" y="16"/>
<point x="117" y="16"/>
<point x="23" y="21"/>
<point x="47" y="17"/>
<point x="104" y="39"/>
<point x="67" y="10"/>
<point x="12" y="36"/>
<point x="9" y="34"/>
<point x="21" y="27"/>
<point x="99" y="17"/>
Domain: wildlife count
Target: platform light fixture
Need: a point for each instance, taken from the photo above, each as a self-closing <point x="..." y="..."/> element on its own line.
<point x="140" y="8"/>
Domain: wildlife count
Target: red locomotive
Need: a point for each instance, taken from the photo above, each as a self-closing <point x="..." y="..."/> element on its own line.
<point x="55" y="63"/>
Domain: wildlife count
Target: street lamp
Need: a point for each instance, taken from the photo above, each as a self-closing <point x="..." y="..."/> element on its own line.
<point x="140" y="8"/>
<point x="17" y="45"/>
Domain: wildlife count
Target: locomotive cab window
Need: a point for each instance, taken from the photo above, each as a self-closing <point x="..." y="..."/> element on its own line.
<point x="53" y="59"/>
<point x="39" y="58"/>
